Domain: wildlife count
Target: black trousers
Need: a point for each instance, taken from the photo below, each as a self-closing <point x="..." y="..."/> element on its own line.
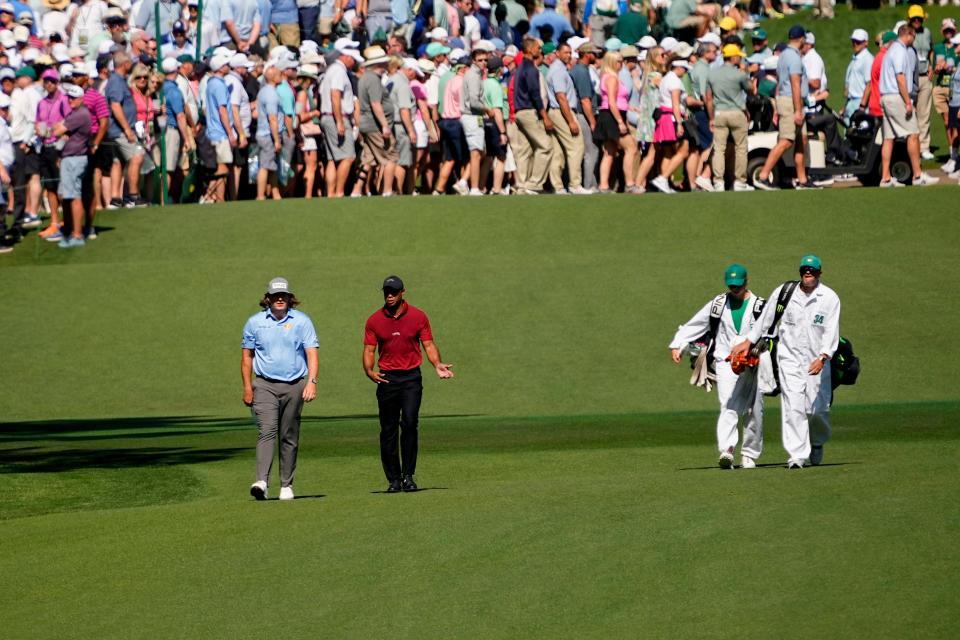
<point x="399" y="403"/>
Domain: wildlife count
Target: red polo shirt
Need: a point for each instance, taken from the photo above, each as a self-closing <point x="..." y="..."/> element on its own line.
<point x="398" y="339"/>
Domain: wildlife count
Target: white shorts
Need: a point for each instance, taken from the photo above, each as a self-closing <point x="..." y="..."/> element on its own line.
<point x="423" y="137"/>
<point x="473" y="132"/>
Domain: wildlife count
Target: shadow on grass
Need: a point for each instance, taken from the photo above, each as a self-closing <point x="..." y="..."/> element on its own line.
<point x="149" y="427"/>
<point x="31" y="460"/>
<point x="769" y="465"/>
<point x="421" y="489"/>
<point x="314" y="496"/>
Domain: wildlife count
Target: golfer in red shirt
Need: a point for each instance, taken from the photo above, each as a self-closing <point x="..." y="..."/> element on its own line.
<point x="397" y="330"/>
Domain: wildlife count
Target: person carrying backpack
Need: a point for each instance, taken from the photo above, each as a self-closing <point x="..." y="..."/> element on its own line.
<point x="806" y="322"/>
<point x="727" y="318"/>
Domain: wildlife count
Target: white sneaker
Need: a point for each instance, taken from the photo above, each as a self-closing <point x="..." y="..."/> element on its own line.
<point x="887" y="184"/>
<point x="816" y="455"/>
<point x="461" y="187"/>
<point x="259" y="490"/>
<point x="747" y="462"/>
<point x="742" y="186"/>
<point x="286" y="493"/>
<point x="719" y="186"/>
<point x="955" y="174"/>
<point x="949" y="166"/>
<point x="924" y="180"/>
<point x="475" y="192"/>
<point x="704" y="183"/>
<point x="726" y="460"/>
<point x="662" y="185"/>
<point x="926" y="155"/>
<point x="580" y="191"/>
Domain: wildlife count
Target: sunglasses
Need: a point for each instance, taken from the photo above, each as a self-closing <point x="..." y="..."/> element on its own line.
<point x="808" y="270"/>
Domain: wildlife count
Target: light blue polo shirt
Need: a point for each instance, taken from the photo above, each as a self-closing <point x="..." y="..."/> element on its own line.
<point x="898" y="60"/>
<point x="279" y="346"/>
<point x="791" y="64"/>
<point x="559" y="81"/>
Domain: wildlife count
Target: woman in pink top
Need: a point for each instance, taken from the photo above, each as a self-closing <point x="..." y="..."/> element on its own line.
<point x="612" y="132"/>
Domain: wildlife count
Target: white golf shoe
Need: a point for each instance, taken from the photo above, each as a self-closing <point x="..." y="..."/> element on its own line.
<point x="746" y="462"/>
<point x="726" y="460"/>
<point x="259" y="490"/>
<point x="286" y="493"/>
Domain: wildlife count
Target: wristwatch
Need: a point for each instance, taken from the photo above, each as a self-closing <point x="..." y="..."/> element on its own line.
<point x="313" y="381"/>
<point x="824" y="357"/>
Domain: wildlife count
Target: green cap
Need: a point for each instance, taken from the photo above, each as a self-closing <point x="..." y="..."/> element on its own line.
<point x="758" y="35"/>
<point x="888" y="36"/>
<point x="549" y="48"/>
<point x="27" y="71"/>
<point x="810" y="260"/>
<point x="735" y="275"/>
<point x="185" y="58"/>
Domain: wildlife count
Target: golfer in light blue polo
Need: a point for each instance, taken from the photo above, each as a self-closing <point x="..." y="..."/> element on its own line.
<point x="278" y="365"/>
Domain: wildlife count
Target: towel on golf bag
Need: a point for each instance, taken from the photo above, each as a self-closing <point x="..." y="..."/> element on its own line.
<point x="702" y="376"/>
<point x="766" y="379"/>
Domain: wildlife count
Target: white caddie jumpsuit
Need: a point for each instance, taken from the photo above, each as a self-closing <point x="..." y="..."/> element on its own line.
<point x="738" y="394"/>
<point x="810" y="326"/>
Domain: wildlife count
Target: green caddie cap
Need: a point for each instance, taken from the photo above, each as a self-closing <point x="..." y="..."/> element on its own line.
<point x="549" y="48"/>
<point x="758" y="35"/>
<point x="888" y="36"/>
<point x="810" y="260"/>
<point x="735" y="275"/>
<point x="28" y="72"/>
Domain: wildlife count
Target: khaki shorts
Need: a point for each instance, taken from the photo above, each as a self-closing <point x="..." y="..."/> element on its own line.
<point x="174" y="150"/>
<point x="126" y="150"/>
<point x="941" y="100"/>
<point x="376" y="150"/>
<point x="788" y="129"/>
<point x="895" y="121"/>
<point x="338" y="148"/>
<point x="325" y="26"/>
<point x="224" y="151"/>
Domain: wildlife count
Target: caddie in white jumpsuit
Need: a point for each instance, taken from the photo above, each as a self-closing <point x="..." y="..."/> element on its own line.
<point x="809" y="332"/>
<point x="738" y="394"/>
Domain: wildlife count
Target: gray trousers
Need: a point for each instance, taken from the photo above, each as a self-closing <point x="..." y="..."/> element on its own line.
<point x="277" y="407"/>
<point x="591" y="154"/>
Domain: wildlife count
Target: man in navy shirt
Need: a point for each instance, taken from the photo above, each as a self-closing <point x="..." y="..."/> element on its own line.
<point x="532" y="119"/>
<point x="397" y="330"/>
<point x="280" y="348"/>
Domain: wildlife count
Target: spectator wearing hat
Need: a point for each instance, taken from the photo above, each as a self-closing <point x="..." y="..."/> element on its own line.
<point x="308" y="117"/>
<point x="495" y="127"/>
<point x="179" y="44"/>
<point x="792" y="90"/>
<point x="288" y="105"/>
<point x="52" y="108"/>
<point x="900" y="120"/>
<point x="473" y="108"/>
<point x="220" y="127"/>
<point x="532" y="120"/>
<point x="697" y="163"/>
<point x="944" y="66"/>
<point x="870" y="102"/>
<point x="235" y="79"/>
<point x="819" y="118"/>
<point x="587" y="111"/>
<point x="376" y="123"/>
<point x="241" y="24"/>
<point x="455" y="153"/>
<point x="179" y="137"/>
<point x="401" y="75"/>
<point x="99" y="161"/>
<point x="85" y="21"/>
<point x="279" y="367"/>
<point x="557" y="24"/>
<point x="669" y="137"/>
<point x="115" y="35"/>
<point x="857" y="77"/>
<point x="759" y="48"/>
<point x="424" y="124"/>
<point x="73" y="162"/>
<point x="270" y="129"/>
<point x="727" y="88"/>
<point x="337" y="116"/>
<point x="284" y="23"/>
<point x="564" y="103"/>
<point x="923" y="46"/>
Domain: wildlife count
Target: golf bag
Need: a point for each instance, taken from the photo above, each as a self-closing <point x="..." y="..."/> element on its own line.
<point x="702" y="349"/>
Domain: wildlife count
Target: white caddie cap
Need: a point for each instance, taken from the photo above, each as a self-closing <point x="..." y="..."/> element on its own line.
<point x="859" y="35"/>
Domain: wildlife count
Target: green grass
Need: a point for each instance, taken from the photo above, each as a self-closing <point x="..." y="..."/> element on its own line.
<point x="573" y="488"/>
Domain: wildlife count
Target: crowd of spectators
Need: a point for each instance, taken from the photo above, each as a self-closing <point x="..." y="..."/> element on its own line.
<point x="237" y="99"/>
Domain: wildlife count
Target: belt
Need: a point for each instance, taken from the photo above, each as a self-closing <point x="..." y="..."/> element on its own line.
<point x="280" y="381"/>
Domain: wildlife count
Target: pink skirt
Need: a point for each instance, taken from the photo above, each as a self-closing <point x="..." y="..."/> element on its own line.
<point x="666" y="130"/>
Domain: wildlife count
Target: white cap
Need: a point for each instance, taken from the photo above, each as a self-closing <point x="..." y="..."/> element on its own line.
<point x="21" y="33"/>
<point x="512" y="50"/>
<point x="312" y="57"/>
<point x="222" y="51"/>
<point x="342" y="44"/>
<point x="4" y="101"/>
<point x="309" y="45"/>
<point x="484" y="4"/>
<point x="897" y="26"/>
<point x="860" y="35"/>
<point x="810" y="38"/>
<point x="218" y="62"/>
<point x="411" y="63"/>
<point x="72" y="90"/>
<point x="427" y="66"/>
<point x="710" y="38"/>
<point x="647" y="42"/>
<point x="59" y="52"/>
<point x="458" y="55"/>
<point x="680" y="63"/>
<point x="576" y="42"/>
<point x="7" y="40"/>
<point x="106" y="46"/>
<point x="239" y="60"/>
<point x="283" y="64"/>
<point x="668" y="43"/>
<point x="169" y="65"/>
<point x="438" y="33"/>
<point x="7" y="7"/>
<point x="484" y="45"/>
<point x="30" y="54"/>
<point x="66" y="70"/>
<point x="78" y="69"/>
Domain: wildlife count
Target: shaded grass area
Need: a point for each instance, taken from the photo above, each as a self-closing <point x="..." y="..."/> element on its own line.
<point x="534" y="527"/>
